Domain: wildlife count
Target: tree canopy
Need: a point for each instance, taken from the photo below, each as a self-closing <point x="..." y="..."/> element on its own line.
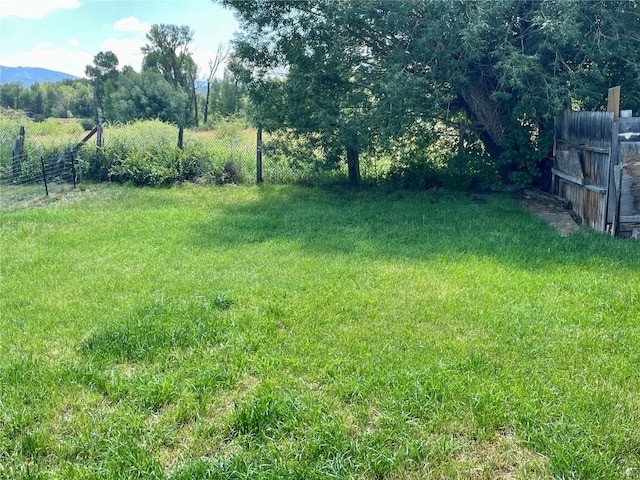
<point x="103" y="73"/>
<point x="167" y="52"/>
<point x="168" y="87"/>
<point x="353" y="71"/>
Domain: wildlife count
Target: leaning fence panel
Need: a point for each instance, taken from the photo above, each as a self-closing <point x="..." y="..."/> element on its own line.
<point x="40" y="163"/>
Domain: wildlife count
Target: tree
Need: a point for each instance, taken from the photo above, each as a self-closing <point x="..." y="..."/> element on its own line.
<point x="37" y="109"/>
<point x="145" y="95"/>
<point x="509" y="66"/>
<point x="103" y="71"/>
<point x="359" y="69"/>
<point x="192" y="77"/>
<point x="230" y="95"/>
<point x="306" y="73"/>
<point x="10" y="95"/>
<point x="214" y="64"/>
<point x="168" y="53"/>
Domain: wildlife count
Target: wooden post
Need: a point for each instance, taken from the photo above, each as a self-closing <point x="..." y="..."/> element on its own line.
<point x="180" y="137"/>
<point x="259" y="178"/>
<point x="99" y="141"/>
<point x="73" y="165"/>
<point x="44" y="176"/>
<point x="613" y="101"/>
<point x="18" y="152"/>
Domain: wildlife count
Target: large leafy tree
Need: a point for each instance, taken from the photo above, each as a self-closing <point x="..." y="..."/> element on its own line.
<point x="509" y="66"/>
<point x="307" y="74"/>
<point x="350" y="70"/>
<point x="145" y="95"/>
<point x="103" y="73"/>
<point x="168" y="53"/>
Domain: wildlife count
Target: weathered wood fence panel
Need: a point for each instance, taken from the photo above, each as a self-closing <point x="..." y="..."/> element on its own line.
<point x="597" y="168"/>
<point x="583" y="158"/>
<point x="629" y="157"/>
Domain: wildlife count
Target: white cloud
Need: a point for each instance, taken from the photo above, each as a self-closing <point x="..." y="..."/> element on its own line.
<point x="73" y="42"/>
<point x="131" y="24"/>
<point x="126" y="49"/>
<point x="34" y="8"/>
<point x="46" y="55"/>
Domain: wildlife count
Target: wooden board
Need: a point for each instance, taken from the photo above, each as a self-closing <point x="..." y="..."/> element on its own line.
<point x="568" y="161"/>
<point x="613" y="101"/>
<point x="629" y="158"/>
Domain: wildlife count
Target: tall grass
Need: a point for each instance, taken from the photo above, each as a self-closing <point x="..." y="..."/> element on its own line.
<point x="42" y="138"/>
<point x="287" y="332"/>
<point x="146" y="153"/>
<point x="143" y="152"/>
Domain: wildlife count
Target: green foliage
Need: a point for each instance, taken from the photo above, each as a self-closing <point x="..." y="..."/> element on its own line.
<point x="469" y="169"/>
<point x="156" y="166"/>
<point x="146" y="95"/>
<point x="64" y="99"/>
<point x="167" y="54"/>
<point x="103" y="74"/>
<point x="525" y="150"/>
<point x="360" y="71"/>
<point x="146" y="153"/>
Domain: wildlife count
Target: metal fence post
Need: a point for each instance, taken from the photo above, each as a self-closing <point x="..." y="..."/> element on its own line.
<point x="44" y="175"/>
<point x="259" y="178"/>
<point x="73" y="165"/>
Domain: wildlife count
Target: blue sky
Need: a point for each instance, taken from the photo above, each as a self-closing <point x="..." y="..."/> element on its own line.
<point x="65" y="35"/>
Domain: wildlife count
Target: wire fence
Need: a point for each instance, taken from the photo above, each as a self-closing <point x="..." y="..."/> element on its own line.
<point x="40" y="159"/>
<point x="35" y="166"/>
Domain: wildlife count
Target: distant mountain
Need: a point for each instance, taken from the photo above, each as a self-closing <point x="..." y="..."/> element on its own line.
<point x="29" y="75"/>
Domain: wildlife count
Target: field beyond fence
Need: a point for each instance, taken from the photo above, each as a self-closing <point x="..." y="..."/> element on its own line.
<point x="53" y="158"/>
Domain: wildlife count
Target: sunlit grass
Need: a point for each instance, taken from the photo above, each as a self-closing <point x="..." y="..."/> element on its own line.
<point x="284" y="332"/>
<point x="41" y="137"/>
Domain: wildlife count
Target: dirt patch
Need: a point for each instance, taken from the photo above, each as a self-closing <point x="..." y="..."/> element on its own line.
<point x="555" y="215"/>
<point x="503" y="457"/>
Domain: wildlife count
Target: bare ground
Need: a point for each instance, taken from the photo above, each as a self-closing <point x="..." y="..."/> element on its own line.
<point x="551" y="212"/>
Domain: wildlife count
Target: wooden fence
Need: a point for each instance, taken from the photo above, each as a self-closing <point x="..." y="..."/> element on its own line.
<point x="597" y="168"/>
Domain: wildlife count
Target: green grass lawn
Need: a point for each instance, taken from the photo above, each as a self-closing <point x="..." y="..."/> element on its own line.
<point x="287" y="332"/>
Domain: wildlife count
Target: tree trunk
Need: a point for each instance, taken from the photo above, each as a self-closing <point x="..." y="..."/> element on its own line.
<point x="96" y="115"/>
<point x="206" y="103"/>
<point x="483" y="111"/>
<point x="485" y="118"/>
<point x="194" y="96"/>
<point x="353" y="164"/>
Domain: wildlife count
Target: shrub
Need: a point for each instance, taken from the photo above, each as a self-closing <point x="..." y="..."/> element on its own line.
<point x="469" y="169"/>
<point x="146" y="153"/>
<point x="87" y="123"/>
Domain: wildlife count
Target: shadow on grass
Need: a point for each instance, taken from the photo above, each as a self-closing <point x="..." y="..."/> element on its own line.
<point x="407" y="226"/>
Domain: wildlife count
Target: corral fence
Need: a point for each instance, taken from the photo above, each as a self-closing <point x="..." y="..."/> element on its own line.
<point x="597" y="168"/>
<point x="32" y="168"/>
<point x="40" y="159"/>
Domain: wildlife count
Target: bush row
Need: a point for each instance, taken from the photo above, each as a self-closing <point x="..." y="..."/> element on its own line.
<point x="159" y="165"/>
<point x="146" y="153"/>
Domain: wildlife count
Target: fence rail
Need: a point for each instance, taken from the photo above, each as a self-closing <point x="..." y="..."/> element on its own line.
<point x="41" y="158"/>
